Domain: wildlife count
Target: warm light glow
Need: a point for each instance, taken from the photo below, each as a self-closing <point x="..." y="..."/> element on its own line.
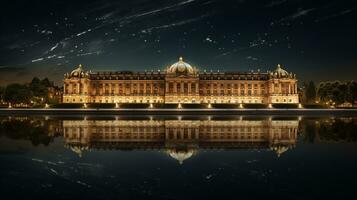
<point x="209" y="106"/>
<point x="10" y="105"/>
<point x="270" y="106"/>
<point x="182" y="81"/>
<point x="85" y="105"/>
<point x="151" y="106"/>
<point x="300" y="105"/>
<point x="47" y="106"/>
<point x="240" y="105"/>
<point x="179" y="106"/>
<point x="116" y="105"/>
<point x="198" y="130"/>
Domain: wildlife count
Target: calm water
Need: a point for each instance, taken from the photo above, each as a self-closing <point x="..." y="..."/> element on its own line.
<point x="178" y="157"/>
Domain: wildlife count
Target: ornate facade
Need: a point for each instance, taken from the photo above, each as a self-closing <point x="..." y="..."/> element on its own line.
<point x="180" y="83"/>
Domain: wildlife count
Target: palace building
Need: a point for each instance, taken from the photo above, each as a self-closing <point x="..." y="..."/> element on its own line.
<point x="180" y="83"/>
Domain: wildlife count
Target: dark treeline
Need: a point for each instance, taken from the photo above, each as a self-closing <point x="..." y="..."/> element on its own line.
<point x="30" y="93"/>
<point x="36" y="131"/>
<point x="332" y="92"/>
<point x="329" y="130"/>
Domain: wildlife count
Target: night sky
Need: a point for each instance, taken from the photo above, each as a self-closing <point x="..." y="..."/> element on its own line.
<point x="316" y="39"/>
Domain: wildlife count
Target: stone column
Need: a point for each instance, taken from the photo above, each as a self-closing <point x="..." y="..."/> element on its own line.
<point x="182" y="87"/>
<point x="131" y="88"/>
<point x="197" y="88"/>
<point x="167" y="87"/>
<point x="175" y="87"/>
<point x="116" y="90"/>
<point x="151" y="88"/>
<point x="189" y="88"/>
<point x="245" y="89"/>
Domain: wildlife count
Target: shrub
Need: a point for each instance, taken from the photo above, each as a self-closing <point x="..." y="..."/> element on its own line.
<point x="196" y="106"/>
<point x="285" y="105"/>
<point x="67" y="105"/>
<point x="255" y="106"/>
<point x="134" y="105"/>
<point x="38" y="106"/>
<point x="161" y="105"/>
<point x="101" y="105"/>
<point x="315" y="106"/>
<point x="225" y="106"/>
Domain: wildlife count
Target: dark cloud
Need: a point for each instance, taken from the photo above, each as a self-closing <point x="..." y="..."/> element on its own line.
<point x="4" y="69"/>
<point x="276" y="3"/>
<point x="54" y="36"/>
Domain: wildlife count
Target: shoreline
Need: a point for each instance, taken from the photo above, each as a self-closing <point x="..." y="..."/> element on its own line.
<point x="153" y="111"/>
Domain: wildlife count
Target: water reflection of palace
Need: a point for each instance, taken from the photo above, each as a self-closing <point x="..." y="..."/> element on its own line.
<point x="180" y="138"/>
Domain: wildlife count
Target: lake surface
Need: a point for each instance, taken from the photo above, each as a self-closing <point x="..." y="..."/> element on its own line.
<point x="178" y="157"/>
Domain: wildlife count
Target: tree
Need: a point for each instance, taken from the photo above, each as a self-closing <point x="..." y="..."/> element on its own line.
<point x="38" y="89"/>
<point x="17" y="93"/>
<point x="45" y="82"/>
<point x="311" y="92"/>
<point x="2" y="90"/>
<point x="323" y="91"/>
<point x="353" y="91"/>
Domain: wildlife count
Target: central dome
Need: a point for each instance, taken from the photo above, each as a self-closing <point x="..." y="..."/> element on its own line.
<point x="180" y="67"/>
<point x="78" y="73"/>
<point x="280" y="72"/>
<point x="181" y="156"/>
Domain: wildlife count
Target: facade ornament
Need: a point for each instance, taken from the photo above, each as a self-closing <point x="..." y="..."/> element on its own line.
<point x="181" y="83"/>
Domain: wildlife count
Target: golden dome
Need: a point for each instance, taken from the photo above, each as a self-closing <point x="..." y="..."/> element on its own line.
<point x="78" y="72"/>
<point x="181" y="156"/>
<point x="280" y="72"/>
<point x="180" y="67"/>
